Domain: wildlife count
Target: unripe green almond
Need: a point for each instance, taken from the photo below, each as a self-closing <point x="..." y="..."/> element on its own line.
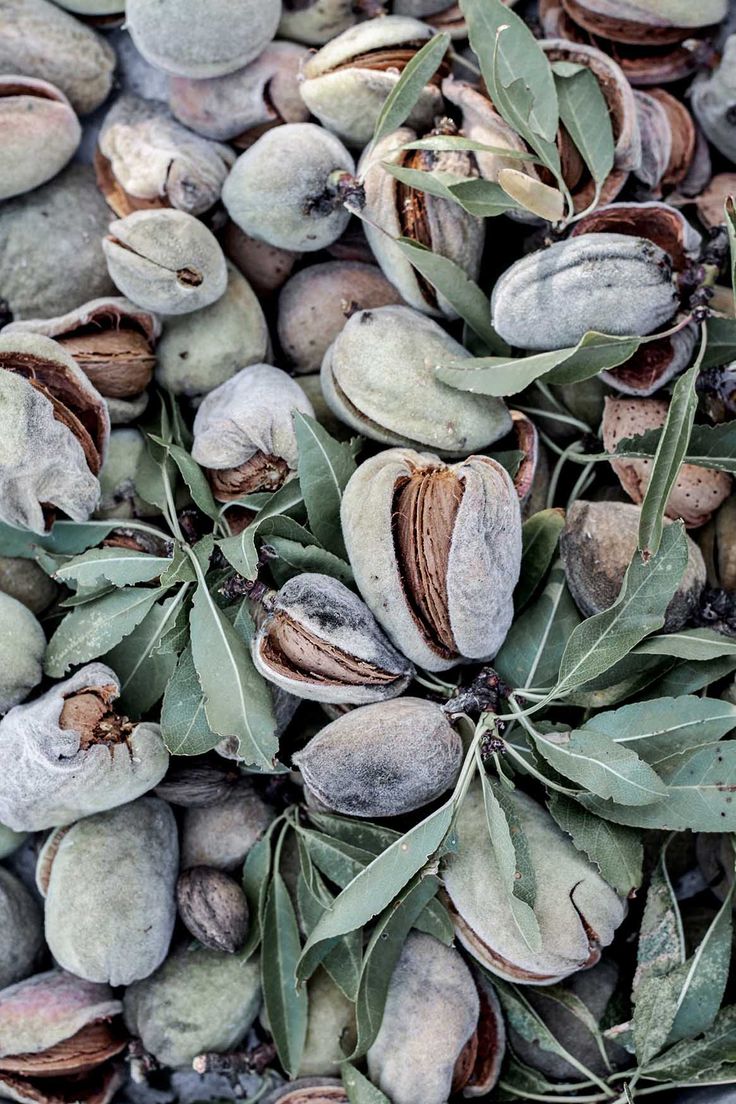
<point x="70" y="217"/>
<point x="166" y="261"/>
<point x="611" y="283"/>
<point x="431" y="1013"/>
<point x="189" y="39"/>
<point x="330" y="1028"/>
<point x="21" y="930"/>
<point x="39" y="133"/>
<point x="713" y="100"/>
<point x="109" y="882"/>
<point x="382" y="760"/>
<point x="22" y="648"/>
<point x="315" y="22"/>
<point x="198" y="1001"/>
<point x="379" y="377"/>
<point x="39" y="39"/>
<point x="298" y="211"/>
<point x="577" y="911"/>
<point x="262" y="94"/>
<point x="221" y="835"/>
<point x="118" y="495"/>
<point x="597" y="546"/>
<point x="314" y="306"/>
<point x="198" y="352"/>
<point x="346" y="97"/>
<point x="25" y="580"/>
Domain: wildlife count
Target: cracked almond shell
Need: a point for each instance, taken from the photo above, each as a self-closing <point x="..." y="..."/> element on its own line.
<point x="436" y="552"/>
<point x="67" y="754"/>
<point x="55" y="430"/>
<point x="109" y="882"/>
<point x="382" y="760"/>
<point x="697" y="492"/>
<point x="393" y="210"/>
<point x="59" y="1036"/>
<point x="145" y="159"/>
<point x="347" y="82"/>
<point x="597" y="546"/>
<point x="378" y="377"/>
<point x="111" y="339"/>
<point x="577" y="911"/>
<point x="244" y="434"/>
<point x="320" y="642"/>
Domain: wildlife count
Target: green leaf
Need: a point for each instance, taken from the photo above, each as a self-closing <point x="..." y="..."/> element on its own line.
<point x="695" y="644"/>
<point x="483" y="198"/>
<point x="119" y="566"/>
<point x="511" y="849"/>
<point x="699" y="795"/>
<point x="452" y="282"/>
<point x="603" y="767"/>
<point x="359" y="833"/>
<point x="196" y="481"/>
<point x="708" y="447"/>
<point x="531" y="653"/>
<point x="523" y="1018"/>
<point x="377" y="885"/>
<point x="358" y="1088"/>
<point x="339" y="861"/>
<point x="406" y="92"/>
<point x="502" y="376"/>
<point x="241" y="551"/>
<point x="647" y="590"/>
<point x="585" y="116"/>
<point x="731" y="227"/>
<point x="701" y="981"/>
<point x="65" y="537"/>
<point x="237" y="700"/>
<point x="436" y="921"/>
<point x="540" y="535"/>
<point x="663" y="729"/>
<point x="184" y="726"/>
<point x="286" y="1005"/>
<point x="542" y="200"/>
<point x="256" y="883"/>
<point x="669" y="456"/>
<point x="95" y="628"/>
<point x="294" y="558"/>
<point x="692" y="1057"/>
<point x="617" y="852"/>
<point x="508" y="53"/>
<point x="344" y="961"/>
<point x="381" y="955"/>
<point x="155" y="473"/>
<point x="325" y="467"/>
<point x="721" y="347"/>
<point x="144" y="672"/>
<point x="688" y="677"/>
<point x="660" y="951"/>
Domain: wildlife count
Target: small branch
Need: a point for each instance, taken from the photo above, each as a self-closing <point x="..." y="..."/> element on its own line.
<point x="238" y="1061"/>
